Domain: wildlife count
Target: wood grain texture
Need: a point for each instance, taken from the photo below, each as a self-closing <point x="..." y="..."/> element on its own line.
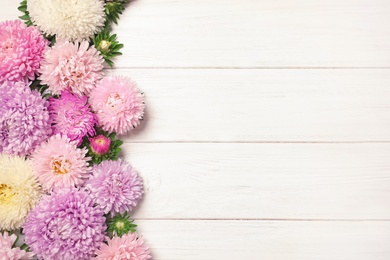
<point x="270" y="240"/>
<point x="263" y="181"/>
<point x="256" y="33"/>
<point x="263" y="105"/>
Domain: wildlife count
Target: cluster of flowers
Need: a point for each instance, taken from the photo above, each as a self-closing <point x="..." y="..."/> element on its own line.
<point x="62" y="183"/>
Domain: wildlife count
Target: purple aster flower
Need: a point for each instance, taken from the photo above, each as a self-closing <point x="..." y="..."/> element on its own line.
<point x="72" y="116"/>
<point x="24" y="119"/>
<point x="65" y="225"/>
<point x="115" y="186"/>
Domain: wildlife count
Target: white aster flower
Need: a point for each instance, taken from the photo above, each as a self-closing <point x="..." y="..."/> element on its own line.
<point x="19" y="191"/>
<point x="72" y="20"/>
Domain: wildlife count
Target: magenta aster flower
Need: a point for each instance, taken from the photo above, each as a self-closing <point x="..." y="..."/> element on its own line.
<point x="65" y="225"/>
<point x="72" y="66"/>
<point x="100" y="144"/>
<point x="72" y="116"/>
<point x="21" y="51"/>
<point x="24" y="119"/>
<point x="129" y="246"/>
<point x="115" y="186"/>
<point x="9" y="252"/>
<point x="118" y="103"/>
<point x="60" y="164"/>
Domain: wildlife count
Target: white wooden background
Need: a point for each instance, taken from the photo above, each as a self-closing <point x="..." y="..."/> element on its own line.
<point x="267" y="131"/>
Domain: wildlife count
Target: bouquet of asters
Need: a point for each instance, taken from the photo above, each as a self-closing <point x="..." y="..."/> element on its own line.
<point x="63" y="186"/>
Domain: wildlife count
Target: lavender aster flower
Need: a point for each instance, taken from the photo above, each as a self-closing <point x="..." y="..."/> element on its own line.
<point x="115" y="186"/>
<point x="72" y="116"/>
<point x="24" y="119"/>
<point x="65" y="225"/>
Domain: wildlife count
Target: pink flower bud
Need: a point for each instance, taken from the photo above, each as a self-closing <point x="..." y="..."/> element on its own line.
<point x="100" y="144"/>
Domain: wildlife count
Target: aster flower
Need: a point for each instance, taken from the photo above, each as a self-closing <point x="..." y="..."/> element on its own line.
<point x="103" y="146"/>
<point x="72" y="20"/>
<point x="19" y="191"/>
<point x="115" y="186"/>
<point x="7" y="251"/>
<point x="65" y="225"/>
<point x="129" y="246"/>
<point x="72" y="116"/>
<point x="100" y="144"/>
<point x="60" y="164"/>
<point x="24" y="119"/>
<point x="120" y="225"/>
<point x="71" y="66"/>
<point x="118" y="103"/>
<point x="21" y="51"/>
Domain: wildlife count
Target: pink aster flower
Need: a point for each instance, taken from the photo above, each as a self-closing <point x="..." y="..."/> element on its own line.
<point x="24" y="118"/>
<point x="100" y="144"/>
<point x="115" y="186"/>
<point x="9" y="252"/>
<point x="21" y="51"/>
<point x="118" y="103"/>
<point x="72" y="66"/>
<point x="129" y="246"/>
<point x="72" y="116"/>
<point x="60" y="164"/>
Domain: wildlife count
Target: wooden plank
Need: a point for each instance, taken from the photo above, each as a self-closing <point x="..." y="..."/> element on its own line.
<point x="263" y="181"/>
<point x="263" y="105"/>
<point x="271" y="240"/>
<point x="251" y="33"/>
<point x="255" y="33"/>
<point x="9" y="10"/>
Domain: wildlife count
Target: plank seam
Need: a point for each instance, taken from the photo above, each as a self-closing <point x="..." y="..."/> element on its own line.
<point x="251" y="68"/>
<point x="263" y="219"/>
<point x="257" y="142"/>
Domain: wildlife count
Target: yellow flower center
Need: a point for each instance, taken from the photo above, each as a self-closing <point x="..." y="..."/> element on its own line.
<point x="114" y="99"/>
<point x="6" y="194"/>
<point x="100" y="141"/>
<point x="60" y="165"/>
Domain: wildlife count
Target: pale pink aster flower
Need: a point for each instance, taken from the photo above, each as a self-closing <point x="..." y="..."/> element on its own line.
<point x="72" y="66"/>
<point x="72" y="116"/>
<point x="60" y="164"/>
<point x="21" y="51"/>
<point x="129" y="246"/>
<point x="7" y="252"/>
<point x="118" y="103"/>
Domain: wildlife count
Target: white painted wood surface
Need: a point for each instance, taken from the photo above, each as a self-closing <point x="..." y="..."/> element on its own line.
<point x="225" y="105"/>
<point x="267" y="128"/>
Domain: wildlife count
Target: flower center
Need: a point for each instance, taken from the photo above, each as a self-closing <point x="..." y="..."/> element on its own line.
<point x="6" y="194"/>
<point x="119" y="225"/>
<point x="100" y="141"/>
<point x="60" y="165"/>
<point x="7" y="45"/>
<point x="113" y="100"/>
